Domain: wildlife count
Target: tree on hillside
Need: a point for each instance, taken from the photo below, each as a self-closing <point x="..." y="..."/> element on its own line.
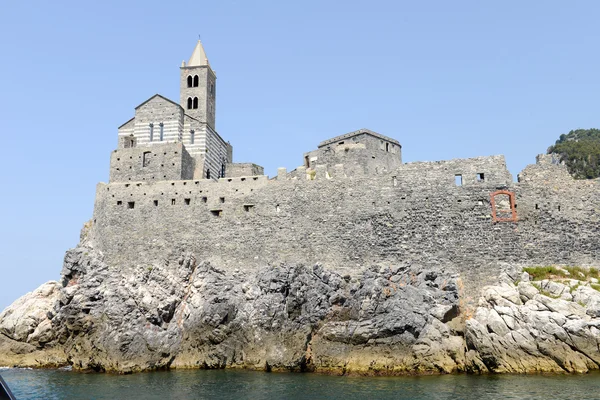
<point x="580" y="151"/>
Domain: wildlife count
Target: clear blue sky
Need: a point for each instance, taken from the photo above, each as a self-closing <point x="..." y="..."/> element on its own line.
<point x="448" y="79"/>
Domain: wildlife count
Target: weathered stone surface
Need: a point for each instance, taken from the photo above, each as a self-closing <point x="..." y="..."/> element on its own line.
<point x="182" y="313"/>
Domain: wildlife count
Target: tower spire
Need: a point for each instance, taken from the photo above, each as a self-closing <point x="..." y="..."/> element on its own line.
<point x="198" y="57"/>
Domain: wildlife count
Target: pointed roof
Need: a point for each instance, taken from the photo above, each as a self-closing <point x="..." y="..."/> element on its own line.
<point x="198" y="58"/>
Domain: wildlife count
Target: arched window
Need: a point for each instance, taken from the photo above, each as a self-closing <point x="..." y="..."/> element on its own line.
<point x="189" y="81"/>
<point x="151" y="132"/>
<point x="189" y="103"/>
<point x="192" y="134"/>
<point x="162" y="131"/>
<point x="195" y="80"/>
<point x="195" y="103"/>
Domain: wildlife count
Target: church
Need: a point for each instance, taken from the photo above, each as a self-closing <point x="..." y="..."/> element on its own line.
<point x="191" y="121"/>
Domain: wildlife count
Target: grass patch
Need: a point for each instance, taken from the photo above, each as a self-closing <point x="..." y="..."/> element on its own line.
<point x="541" y="273"/>
<point x="595" y="286"/>
<point x="551" y="272"/>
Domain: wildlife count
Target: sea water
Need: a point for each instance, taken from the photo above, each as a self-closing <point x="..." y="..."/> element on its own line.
<point x="226" y="384"/>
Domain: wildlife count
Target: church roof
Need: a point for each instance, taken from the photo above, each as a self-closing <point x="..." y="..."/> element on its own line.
<point x="358" y="132"/>
<point x="162" y="97"/>
<point x="198" y="58"/>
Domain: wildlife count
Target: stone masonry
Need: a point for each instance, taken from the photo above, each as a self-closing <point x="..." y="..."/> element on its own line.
<point x="350" y="204"/>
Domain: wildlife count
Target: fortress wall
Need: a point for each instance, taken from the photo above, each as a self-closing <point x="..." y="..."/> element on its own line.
<point x="167" y="161"/>
<point x="243" y="169"/>
<point x="347" y="224"/>
<point x="443" y="173"/>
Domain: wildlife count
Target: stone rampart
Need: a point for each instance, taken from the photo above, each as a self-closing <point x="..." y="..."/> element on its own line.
<point x="416" y="214"/>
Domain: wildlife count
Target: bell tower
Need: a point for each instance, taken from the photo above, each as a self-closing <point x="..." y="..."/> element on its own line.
<point x="198" y="89"/>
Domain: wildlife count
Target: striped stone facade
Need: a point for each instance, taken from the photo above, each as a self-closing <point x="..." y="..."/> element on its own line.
<point x="159" y="120"/>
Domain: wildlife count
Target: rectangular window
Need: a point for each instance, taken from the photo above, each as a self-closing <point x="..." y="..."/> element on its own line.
<point x="172" y="202"/>
<point x="130" y="204"/>
<point x="458" y="180"/>
<point x="248" y="207"/>
<point x="480" y="177"/>
<point x="162" y="131"/>
<point x="146" y="159"/>
<point x="216" y="213"/>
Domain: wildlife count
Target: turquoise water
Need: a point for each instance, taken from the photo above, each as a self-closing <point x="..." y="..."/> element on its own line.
<point x="53" y="384"/>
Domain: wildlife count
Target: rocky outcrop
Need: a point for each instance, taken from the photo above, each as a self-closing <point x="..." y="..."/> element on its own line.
<point x="185" y="313"/>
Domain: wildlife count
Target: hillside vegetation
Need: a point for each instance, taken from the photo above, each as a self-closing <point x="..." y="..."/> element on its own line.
<point x="580" y="150"/>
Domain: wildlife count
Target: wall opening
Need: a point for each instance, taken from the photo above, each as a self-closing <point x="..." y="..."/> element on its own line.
<point x="155" y="203"/>
<point x="131" y="204"/>
<point x="223" y="170"/>
<point x="394" y="181"/>
<point x="119" y="202"/>
<point x="186" y="202"/>
<point x="208" y="174"/>
<point x="537" y="207"/>
<point x="189" y="103"/>
<point x="195" y="103"/>
<point x="480" y="177"/>
<point x="277" y="209"/>
<point x="146" y="158"/>
<point x="222" y="199"/>
<point x="458" y="180"/>
<point x="216" y="213"/>
<point x="387" y="147"/>
<point x="306" y="162"/>
<point x="504" y="208"/>
<point x="172" y="202"/>
<point x="248" y="207"/>
<point x="189" y="81"/>
<point x="205" y="199"/>
<point x="195" y="80"/>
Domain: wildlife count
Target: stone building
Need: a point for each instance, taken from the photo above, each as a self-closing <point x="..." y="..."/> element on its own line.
<point x="191" y="122"/>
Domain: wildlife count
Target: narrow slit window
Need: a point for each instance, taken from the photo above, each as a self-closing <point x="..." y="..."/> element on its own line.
<point x="151" y="132"/>
<point x="458" y="180"/>
<point x="387" y="147"/>
<point x="146" y="159"/>
<point x="162" y="131"/>
<point x="192" y="136"/>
